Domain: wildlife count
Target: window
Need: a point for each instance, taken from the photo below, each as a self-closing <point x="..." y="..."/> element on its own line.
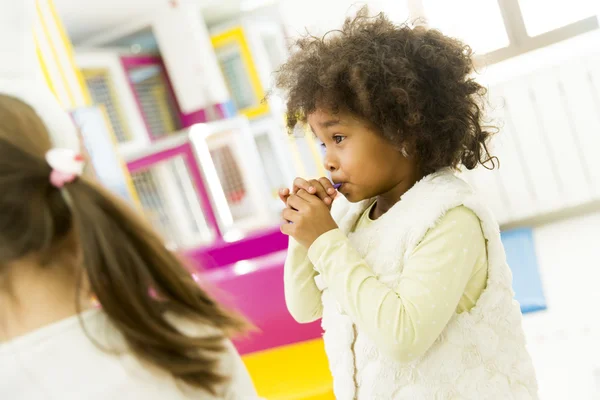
<point x="101" y="89"/>
<point x="477" y="22"/>
<point x="269" y="160"/>
<point x="236" y="76"/>
<point x="169" y="200"/>
<point x="157" y="103"/>
<point x="500" y="29"/>
<point x="541" y="16"/>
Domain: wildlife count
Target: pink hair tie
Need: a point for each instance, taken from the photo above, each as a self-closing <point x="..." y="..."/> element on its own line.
<point x="67" y="165"/>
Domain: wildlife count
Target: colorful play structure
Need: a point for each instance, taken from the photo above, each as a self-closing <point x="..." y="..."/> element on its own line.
<point x="205" y="179"/>
<point x="202" y="158"/>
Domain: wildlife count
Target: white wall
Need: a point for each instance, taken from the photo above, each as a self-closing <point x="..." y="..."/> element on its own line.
<point x="548" y="105"/>
<point x="321" y="16"/>
<point x="564" y="341"/>
<point x="195" y="75"/>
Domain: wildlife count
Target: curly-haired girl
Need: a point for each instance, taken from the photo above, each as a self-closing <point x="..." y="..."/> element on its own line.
<point x="406" y="269"/>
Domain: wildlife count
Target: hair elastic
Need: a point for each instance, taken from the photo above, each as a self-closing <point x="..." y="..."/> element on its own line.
<point x="67" y="165"/>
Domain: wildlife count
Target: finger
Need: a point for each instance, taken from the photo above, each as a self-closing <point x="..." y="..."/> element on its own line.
<point x="284" y="193"/>
<point x="320" y="191"/>
<point x="289" y="215"/>
<point x="297" y="202"/>
<point x="286" y="228"/>
<point x="300" y="183"/>
<point x="328" y="186"/>
<point x="307" y="198"/>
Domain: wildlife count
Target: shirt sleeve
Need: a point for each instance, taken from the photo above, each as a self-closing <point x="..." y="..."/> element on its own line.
<point x="404" y="321"/>
<point x="302" y="296"/>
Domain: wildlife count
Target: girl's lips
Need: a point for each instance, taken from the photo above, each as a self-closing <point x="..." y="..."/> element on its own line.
<point x="337" y="186"/>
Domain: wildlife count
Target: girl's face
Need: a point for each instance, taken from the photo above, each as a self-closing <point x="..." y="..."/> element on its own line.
<point x="357" y="156"/>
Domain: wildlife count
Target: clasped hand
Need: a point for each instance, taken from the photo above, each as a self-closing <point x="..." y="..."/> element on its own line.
<point x="307" y="213"/>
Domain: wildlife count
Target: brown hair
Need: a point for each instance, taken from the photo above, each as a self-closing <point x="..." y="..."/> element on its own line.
<point x="412" y="83"/>
<point x="130" y="271"/>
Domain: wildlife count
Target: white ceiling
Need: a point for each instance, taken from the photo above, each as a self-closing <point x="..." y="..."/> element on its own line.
<point x="87" y="18"/>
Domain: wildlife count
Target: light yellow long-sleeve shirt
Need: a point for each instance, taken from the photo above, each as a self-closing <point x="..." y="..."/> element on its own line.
<point x="444" y="275"/>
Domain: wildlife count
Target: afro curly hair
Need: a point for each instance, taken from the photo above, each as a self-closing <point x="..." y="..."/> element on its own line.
<point x="413" y="84"/>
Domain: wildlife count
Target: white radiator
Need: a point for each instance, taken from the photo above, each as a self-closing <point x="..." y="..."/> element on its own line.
<point x="549" y="120"/>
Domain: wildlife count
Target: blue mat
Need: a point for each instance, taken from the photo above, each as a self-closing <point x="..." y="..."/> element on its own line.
<point x="520" y="254"/>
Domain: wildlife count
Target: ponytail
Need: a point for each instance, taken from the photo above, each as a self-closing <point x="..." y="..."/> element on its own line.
<point x="138" y="282"/>
<point x="140" y="285"/>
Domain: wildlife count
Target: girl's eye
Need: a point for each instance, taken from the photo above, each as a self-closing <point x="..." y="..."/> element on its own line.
<point x="338" y="139"/>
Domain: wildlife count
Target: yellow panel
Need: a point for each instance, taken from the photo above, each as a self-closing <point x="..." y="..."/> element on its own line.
<point x="236" y="36"/>
<point x="94" y="72"/>
<point x="44" y="68"/>
<point x="66" y="42"/>
<point x="56" y="58"/>
<point x="295" y="372"/>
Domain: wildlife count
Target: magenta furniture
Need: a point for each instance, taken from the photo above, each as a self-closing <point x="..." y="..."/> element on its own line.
<point x="131" y="62"/>
<point x="218" y="253"/>
<point x="255" y="288"/>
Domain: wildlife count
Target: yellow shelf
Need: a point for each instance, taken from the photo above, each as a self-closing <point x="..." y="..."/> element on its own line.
<point x="295" y="372"/>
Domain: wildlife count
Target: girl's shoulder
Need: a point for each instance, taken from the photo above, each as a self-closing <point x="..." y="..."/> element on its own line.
<point x="239" y="385"/>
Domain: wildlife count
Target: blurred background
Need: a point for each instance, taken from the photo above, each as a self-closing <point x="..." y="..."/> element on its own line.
<point x="168" y="96"/>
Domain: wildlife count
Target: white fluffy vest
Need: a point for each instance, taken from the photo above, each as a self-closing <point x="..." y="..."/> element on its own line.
<point x="480" y="355"/>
